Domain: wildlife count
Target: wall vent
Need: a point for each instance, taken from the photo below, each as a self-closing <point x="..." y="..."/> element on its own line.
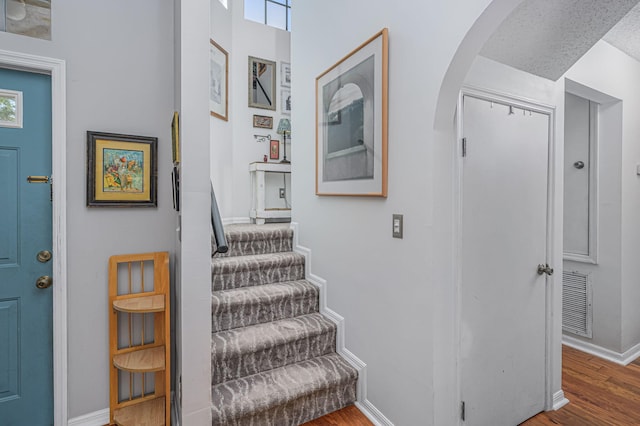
<point x="577" y="311"/>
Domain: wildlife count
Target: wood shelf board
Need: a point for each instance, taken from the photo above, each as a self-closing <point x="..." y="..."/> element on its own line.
<point x="142" y="361"/>
<point x="147" y="413"/>
<point x="142" y="304"/>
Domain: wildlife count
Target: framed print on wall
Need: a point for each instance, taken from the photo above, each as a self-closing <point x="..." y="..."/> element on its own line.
<point x="262" y="83"/>
<point x="274" y="150"/>
<point x="285" y="74"/>
<point x="286" y="101"/>
<point x="175" y="138"/>
<point x="351" y="122"/>
<point x="262" y="121"/>
<point x="218" y="81"/>
<point x="121" y="170"/>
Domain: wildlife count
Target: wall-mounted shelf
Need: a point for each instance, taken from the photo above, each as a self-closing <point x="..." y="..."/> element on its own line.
<point x="139" y="339"/>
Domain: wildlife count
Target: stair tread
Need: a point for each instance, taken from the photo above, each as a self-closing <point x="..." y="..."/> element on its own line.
<point x="261" y="293"/>
<point x="252" y="394"/>
<point x="255" y="260"/>
<point x="249" y="232"/>
<point x="231" y="343"/>
<point x="245" y="306"/>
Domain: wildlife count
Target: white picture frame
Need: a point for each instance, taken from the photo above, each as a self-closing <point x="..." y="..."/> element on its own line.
<point x="285" y="74"/>
<point x="10" y="108"/>
<point x="286" y="101"/>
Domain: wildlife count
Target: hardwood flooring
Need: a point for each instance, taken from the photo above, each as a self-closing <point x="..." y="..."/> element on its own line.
<point x="347" y="416"/>
<point x="600" y="393"/>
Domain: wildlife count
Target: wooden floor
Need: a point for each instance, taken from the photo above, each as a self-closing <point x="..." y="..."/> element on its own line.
<point x="347" y="416"/>
<point x="600" y="393"/>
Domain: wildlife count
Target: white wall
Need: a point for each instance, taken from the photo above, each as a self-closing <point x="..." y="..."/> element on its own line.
<point x="193" y="286"/>
<point x="233" y="146"/>
<point x="394" y="294"/>
<point x="119" y="62"/>
<point x="616" y="292"/>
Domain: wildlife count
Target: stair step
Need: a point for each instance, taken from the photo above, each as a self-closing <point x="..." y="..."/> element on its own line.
<point x="247" y="239"/>
<point x="245" y="271"/>
<point x="250" y="350"/>
<point x="286" y="396"/>
<point x="241" y="307"/>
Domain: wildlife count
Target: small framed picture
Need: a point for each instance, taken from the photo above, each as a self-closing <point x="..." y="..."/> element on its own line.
<point x="121" y="170"/>
<point x="263" y="121"/>
<point x="285" y="74"/>
<point x="286" y="101"/>
<point x="274" y="150"/>
<point x="218" y="81"/>
<point x="175" y="138"/>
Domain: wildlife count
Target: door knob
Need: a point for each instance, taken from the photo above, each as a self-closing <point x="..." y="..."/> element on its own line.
<point x="44" y="256"/>
<point x="545" y="269"/>
<point x="44" y="281"/>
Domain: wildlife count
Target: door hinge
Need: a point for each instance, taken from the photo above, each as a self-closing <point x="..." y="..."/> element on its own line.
<point x="462" y="411"/>
<point x="464" y="147"/>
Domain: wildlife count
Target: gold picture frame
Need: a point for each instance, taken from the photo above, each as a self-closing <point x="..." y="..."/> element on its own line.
<point x="121" y="170"/>
<point x="175" y="138"/>
<point x="352" y="122"/>
<point x="218" y="81"/>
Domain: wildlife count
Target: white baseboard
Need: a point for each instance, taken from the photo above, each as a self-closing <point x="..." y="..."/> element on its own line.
<point x="624" y="358"/>
<point x="559" y="400"/>
<point x="363" y="404"/>
<point x="97" y="418"/>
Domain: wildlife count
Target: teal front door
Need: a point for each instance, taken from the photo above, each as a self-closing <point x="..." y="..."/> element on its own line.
<point x="26" y="334"/>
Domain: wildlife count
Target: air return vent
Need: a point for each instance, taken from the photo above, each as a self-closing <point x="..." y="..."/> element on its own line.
<point x="577" y="313"/>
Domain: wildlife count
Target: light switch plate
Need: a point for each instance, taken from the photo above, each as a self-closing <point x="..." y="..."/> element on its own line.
<point x="398" y="225"/>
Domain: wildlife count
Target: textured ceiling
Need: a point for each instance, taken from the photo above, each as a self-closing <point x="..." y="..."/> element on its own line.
<point x="546" y="37"/>
<point x="626" y="34"/>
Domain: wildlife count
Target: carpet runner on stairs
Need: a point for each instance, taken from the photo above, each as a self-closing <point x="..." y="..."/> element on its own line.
<point x="273" y="354"/>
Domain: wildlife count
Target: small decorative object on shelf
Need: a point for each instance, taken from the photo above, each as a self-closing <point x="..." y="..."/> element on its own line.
<point x="139" y="339"/>
<point x="284" y="129"/>
<point x="264" y="158"/>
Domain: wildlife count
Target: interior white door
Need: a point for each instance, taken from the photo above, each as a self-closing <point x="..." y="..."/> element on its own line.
<point x="503" y="239"/>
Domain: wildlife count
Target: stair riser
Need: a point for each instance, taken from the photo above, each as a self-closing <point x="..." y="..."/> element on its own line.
<point x="245" y="277"/>
<point x="244" y="248"/>
<point x="300" y="410"/>
<point x="225" y="316"/>
<point x="226" y="366"/>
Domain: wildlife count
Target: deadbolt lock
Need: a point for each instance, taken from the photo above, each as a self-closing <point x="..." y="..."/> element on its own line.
<point x="44" y="281"/>
<point x="44" y="256"/>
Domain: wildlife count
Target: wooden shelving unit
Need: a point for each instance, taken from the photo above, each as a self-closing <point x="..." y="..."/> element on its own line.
<point x="139" y="339"/>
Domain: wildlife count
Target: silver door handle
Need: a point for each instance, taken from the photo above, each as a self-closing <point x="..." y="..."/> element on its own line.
<point x="545" y="269"/>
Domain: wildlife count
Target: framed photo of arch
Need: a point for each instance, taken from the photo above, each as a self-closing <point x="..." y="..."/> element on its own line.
<point x="351" y="122"/>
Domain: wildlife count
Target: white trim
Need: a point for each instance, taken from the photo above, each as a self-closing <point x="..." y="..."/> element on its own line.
<point x="97" y="418"/>
<point x="235" y="220"/>
<point x="559" y="400"/>
<point x="530" y="105"/>
<point x="623" y="359"/>
<point x="367" y="408"/>
<point x="594" y="184"/>
<point x="56" y="68"/>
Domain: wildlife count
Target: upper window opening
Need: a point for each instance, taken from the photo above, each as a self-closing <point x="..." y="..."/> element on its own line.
<point x="275" y="13"/>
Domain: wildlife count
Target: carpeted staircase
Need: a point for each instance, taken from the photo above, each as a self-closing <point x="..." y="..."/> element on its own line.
<point x="273" y="355"/>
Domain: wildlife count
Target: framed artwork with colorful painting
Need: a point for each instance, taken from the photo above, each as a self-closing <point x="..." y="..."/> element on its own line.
<point x="121" y="170"/>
